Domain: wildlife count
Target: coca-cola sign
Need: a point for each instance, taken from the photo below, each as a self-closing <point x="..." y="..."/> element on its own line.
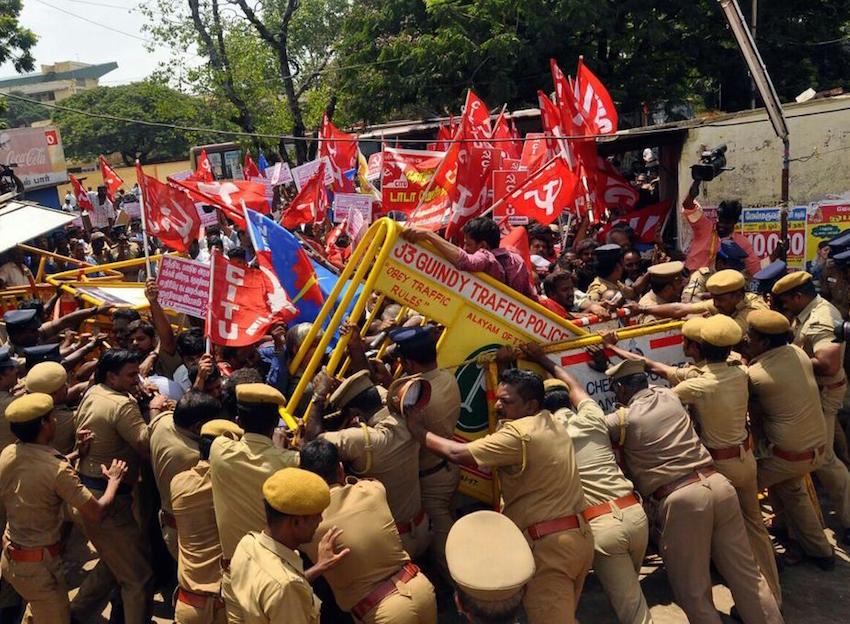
<point x="36" y="154"/>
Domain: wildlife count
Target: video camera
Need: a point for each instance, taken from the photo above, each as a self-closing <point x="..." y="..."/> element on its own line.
<point x="711" y="164"/>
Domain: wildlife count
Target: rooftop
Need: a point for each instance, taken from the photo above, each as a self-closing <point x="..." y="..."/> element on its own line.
<point x="49" y="74"/>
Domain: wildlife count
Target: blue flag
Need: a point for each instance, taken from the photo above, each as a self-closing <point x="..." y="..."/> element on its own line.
<point x="262" y="163"/>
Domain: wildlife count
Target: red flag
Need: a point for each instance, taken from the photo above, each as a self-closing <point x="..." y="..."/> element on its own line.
<point x="111" y="180"/>
<point x="310" y="205"/>
<point x="244" y="303"/>
<point x="616" y="191"/>
<point x="505" y="143"/>
<point x="170" y="214"/>
<point x="405" y="176"/>
<point x="444" y="135"/>
<point x="545" y="194"/>
<point x="341" y="148"/>
<point x="594" y="102"/>
<point x="517" y="240"/>
<point x="83" y="201"/>
<point x="550" y="118"/>
<point x="433" y="212"/>
<point x="338" y="255"/>
<point x="646" y="222"/>
<point x="204" y="171"/>
<point x="572" y="122"/>
<point x="476" y="117"/>
<point x="533" y="151"/>
<point x="228" y="195"/>
<point x="249" y="168"/>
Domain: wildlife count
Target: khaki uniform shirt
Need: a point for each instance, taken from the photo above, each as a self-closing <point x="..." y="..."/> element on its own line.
<point x="66" y="430"/>
<point x="173" y="450"/>
<point x="199" y="551"/>
<point x="360" y="509"/>
<point x="238" y="469"/>
<point x="813" y="331"/>
<point x="687" y="371"/>
<point x="537" y="468"/>
<point x="784" y="397"/>
<point x="395" y="459"/>
<point x="718" y="402"/>
<point x="835" y="288"/>
<point x="35" y="481"/>
<point x="116" y="422"/>
<point x="442" y="412"/>
<point x="599" y="285"/>
<point x="659" y="441"/>
<point x="696" y="289"/>
<point x="750" y="302"/>
<point x="6" y="435"/>
<point x="601" y="477"/>
<point x="268" y="581"/>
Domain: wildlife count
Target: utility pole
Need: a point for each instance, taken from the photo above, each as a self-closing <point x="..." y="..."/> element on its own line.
<point x="754" y="14"/>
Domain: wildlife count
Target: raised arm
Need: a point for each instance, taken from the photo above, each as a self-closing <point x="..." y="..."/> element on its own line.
<point x="609" y="339"/>
<point x="534" y="352"/>
<point x="167" y="341"/>
<point x="450" y="252"/>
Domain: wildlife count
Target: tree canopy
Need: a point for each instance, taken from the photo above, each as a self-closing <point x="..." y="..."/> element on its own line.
<point x="20" y="113"/>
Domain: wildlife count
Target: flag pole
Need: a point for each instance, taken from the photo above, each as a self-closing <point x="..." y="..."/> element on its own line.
<point x="434" y="177"/>
<point x="144" y="223"/>
<point x="528" y="181"/>
<point x="209" y="302"/>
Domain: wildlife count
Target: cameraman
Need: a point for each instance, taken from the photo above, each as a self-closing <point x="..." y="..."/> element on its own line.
<point x="707" y="235"/>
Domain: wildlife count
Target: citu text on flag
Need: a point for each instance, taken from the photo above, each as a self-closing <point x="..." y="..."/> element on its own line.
<point x="170" y="214"/>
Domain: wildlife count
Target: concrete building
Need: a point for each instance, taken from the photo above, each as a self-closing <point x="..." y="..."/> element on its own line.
<point x="57" y="81"/>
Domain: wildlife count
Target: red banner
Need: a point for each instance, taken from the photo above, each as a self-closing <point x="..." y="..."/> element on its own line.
<point x="406" y="174"/>
<point x="310" y="205"/>
<point x="111" y="180"/>
<point x="83" y="201"/>
<point x="170" y="214"/>
<point x="595" y="104"/>
<point x="545" y="194"/>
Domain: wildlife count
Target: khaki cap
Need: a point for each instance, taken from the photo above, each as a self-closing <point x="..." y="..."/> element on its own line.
<point x="791" y="281"/>
<point x="666" y="270"/>
<point x="297" y="492"/>
<point x="691" y="328"/>
<point x="46" y="377"/>
<point x="29" y="407"/>
<point x="721" y="331"/>
<point x="554" y="384"/>
<point x="221" y="427"/>
<point x="626" y="368"/>
<point x="350" y="388"/>
<point x="259" y="393"/>
<point x="488" y="556"/>
<point x="768" y="322"/>
<point x="725" y="281"/>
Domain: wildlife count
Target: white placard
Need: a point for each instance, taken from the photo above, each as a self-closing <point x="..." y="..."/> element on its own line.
<point x="346" y="202"/>
<point x="303" y="173"/>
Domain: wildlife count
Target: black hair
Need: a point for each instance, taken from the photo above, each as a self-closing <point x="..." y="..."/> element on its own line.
<point x="228" y="387"/>
<point x="321" y="457"/>
<point x="491" y="611"/>
<point x="258" y="418"/>
<point x="729" y="210"/>
<point x="422" y="350"/>
<point x="774" y="340"/>
<point x="483" y="230"/>
<point x="191" y="342"/>
<point x="192" y="373"/>
<point x="33" y="304"/>
<point x="214" y="241"/>
<point x="556" y="399"/>
<point x="28" y="431"/>
<point x="236" y="253"/>
<point x="713" y="353"/>
<point x="528" y="384"/>
<point x="657" y="285"/>
<point x="273" y="516"/>
<point x="195" y="407"/>
<point x="607" y="265"/>
<point x="113" y="361"/>
<point x="586" y="243"/>
<point x="128" y="314"/>
<point x="633" y="383"/>
<point x="368" y="401"/>
<point x="204" y="446"/>
<point x="550" y="283"/>
<point x="807" y="290"/>
<point x="144" y="326"/>
<point x="543" y="233"/>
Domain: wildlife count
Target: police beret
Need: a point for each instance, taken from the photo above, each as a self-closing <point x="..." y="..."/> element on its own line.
<point x="6" y="359"/>
<point x="666" y="270"/>
<point x="731" y="250"/>
<point x="842" y="257"/>
<point x="774" y="271"/>
<point x="259" y="393"/>
<point x="220" y="426"/>
<point x="691" y="328"/>
<point x="42" y="353"/>
<point x="46" y="377"/>
<point x="840" y="240"/>
<point x="350" y="388"/>
<point x="21" y="319"/>
<point x="488" y="556"/>
<point x="791" y="281"/>
<point x="721" y="331"/>
<point x="411" y="338"/>
<point x="608" y="251"/>
<point x="725" y="281"/>
<point x="29" y="407"/>
<point x="297" y="492"/>
<point x="626" y="368"/>
<point x="555" y="384"/>
<point x="768" y="322"/>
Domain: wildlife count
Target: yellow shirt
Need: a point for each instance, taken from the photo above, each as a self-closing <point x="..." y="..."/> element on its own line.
<point x="66" y="435"/>
<point x="813" y="332"/>
<point x="749" y="303"/>
<point x="173" y="450"/>
<point x="599" y="285"/>
<point x="268" y="581"/>
<point x="718" y="402"/>
<point x="537" y="468"/>
<point x="6" y="435"/>
<point x="199" y="550"/>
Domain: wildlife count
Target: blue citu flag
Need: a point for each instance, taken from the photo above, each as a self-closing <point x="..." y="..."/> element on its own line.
<point x="262" y="163"/>
<point x="277" y="249"/>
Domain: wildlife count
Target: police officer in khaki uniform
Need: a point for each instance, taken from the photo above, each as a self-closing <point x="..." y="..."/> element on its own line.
<point x="9" y="369"/>
<point x="696" y="508"/>
<point x="541" y="490"/>
<point x="665" y="286"/>
<point x="376" y="582"/>
<point x="717" y="399"/>
<point x="615" y="515"/>
<point x="267" y="576"/>
<point x="609" y="273"/>
<point x="490" y="581"/>
<point x="785" y="411"/>
<point x="438" y="478"/>
<point x="35" y="483"/>
<point x="111" y="413"/>
<point x="238" y="469"/>
<point x="52" y="378"/>
<point x="198" y="597"/>
<point x="379" y="447"/>
<point x="815" y="319"/>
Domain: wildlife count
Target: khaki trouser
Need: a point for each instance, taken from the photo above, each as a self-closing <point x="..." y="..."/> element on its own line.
<point x="702" y="522"/>
<point x="619" y="543"/>
<point x="416" y="541"/>
<point x="413" y="602"/>
<point x="562" y="561"/>
<point x="208" y="614"/>
<point x="122" y="548"/>
<point x="741" y="472"/>
<point x="42" y="585"/>
<point x="8" y="596"/>
<point x="234" y="611"/>
<point x="786" y="481"/>
<point x="833" y="474"/>
<point x="438" y="489"/>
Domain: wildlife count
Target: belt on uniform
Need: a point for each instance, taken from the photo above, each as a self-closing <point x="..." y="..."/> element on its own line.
<point x="167" y="519"/>
<point x="225" y="564"/>
<point x="433" y="469"/>
<point x="608" y="507"/>
<point x="730" y="451"/>
<point x="408" y="525"/>
<point x="694" y="477"/>
<point x="199" y="601"/>
<point x="833" y="386"/>
<point x="100" y="484"/>
<point x="17" y="553"/>
<point x="796" y="456"/>
<point x="542" y="529"/>
<point x="384" y="589"/>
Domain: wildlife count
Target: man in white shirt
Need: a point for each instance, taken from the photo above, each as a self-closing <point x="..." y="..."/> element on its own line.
<point x="103" y="212"/>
